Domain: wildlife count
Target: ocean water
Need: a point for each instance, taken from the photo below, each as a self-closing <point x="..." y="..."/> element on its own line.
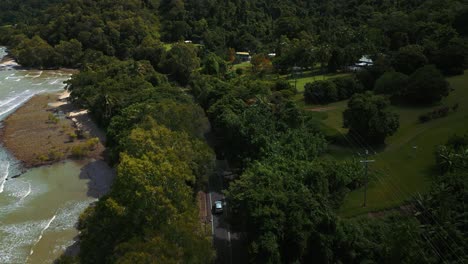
<point x="39" y="209"/>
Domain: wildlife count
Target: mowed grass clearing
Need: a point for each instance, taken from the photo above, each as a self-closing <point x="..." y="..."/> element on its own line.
<point x="309" y="78"/>
<point x="402" y="169"/>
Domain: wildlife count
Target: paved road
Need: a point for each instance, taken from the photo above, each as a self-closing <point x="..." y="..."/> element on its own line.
<point x="228" y="245"/>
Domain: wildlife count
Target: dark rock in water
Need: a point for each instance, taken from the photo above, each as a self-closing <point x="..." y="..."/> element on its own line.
<point x="16" y="176"/>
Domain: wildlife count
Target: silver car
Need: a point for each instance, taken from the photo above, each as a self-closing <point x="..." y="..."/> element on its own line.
<point x="218" y="207"/>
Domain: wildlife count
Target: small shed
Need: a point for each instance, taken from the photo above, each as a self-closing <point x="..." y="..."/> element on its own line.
<point x="243" y="56"/>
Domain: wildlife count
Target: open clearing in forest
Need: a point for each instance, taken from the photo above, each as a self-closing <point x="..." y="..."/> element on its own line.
<point x="310" y="78"/>
<point x="403" y="168"/>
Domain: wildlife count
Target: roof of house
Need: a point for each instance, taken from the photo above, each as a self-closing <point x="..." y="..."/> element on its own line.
<point x="366" y="59"/>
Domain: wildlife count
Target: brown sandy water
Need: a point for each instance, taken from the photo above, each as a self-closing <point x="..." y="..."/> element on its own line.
<point x="38" y="213"/>
<point x="39" y="209"/>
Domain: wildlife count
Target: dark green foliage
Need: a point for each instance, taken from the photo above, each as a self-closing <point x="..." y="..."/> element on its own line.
<point x="442" y="212"/>
<point x="214" y="65"/>
<point x="287" y="194"/>
<point x="461" y="21"/>
<point x="367" y="116"/>
<point x="320" y="92"/>
<point x="180" y="62"/>
<point x="453" y="156"/>
<point x="328" y="91"/>
<point x="426" y="86"/>
<point x="107" y="89"/>
<point x="452" y="59"/>
<point x="391" y="83"/>
<point x="282" y="204"/>
<point x="408" y="59"/>
<point x="69" y="53"/>
<point x="35" y="52"/>
<point x="151" y="200"/>
<point x="347" y="87"/>
<point x="437" y="113"/>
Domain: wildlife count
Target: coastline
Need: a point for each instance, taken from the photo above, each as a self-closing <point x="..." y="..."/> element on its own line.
<point x="47" y="129"/>
<point x="37" y="134"/>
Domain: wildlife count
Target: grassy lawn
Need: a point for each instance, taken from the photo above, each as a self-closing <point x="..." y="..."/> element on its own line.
<point x="309" y="78"/>
<point x="403" y="168"/>
<point x="246" y="65"/>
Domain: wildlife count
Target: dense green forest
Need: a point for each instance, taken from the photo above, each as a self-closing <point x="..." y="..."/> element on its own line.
<point x="157" y="96"/>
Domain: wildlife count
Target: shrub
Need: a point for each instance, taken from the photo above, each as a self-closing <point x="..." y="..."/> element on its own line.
<point x="391" y="83"/>
<point x="52" y="118"/>
<point x="79" y="151"/>
<point x="425" y="118"/>
<point x="347" y="87"/>
<point x="426" y="86"/>
<point x="55" y="155"/>
<point x="72" y="135"/>
<point x="92" y="143"/>
<point x="282" y="85"/>
<point x="42" y="158"/>
<point x="409" y="58"/>
<point x="368" y="115"/>
<point x="434" y="114"/>
<point x="320" y="92"/>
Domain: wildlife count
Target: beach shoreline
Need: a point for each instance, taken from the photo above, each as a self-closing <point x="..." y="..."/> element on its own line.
<point x="47" y="129"/>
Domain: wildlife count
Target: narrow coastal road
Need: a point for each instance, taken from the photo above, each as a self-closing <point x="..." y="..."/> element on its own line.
<point x="227" y="244"/>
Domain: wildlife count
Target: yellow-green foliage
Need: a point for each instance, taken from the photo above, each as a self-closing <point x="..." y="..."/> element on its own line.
<point x="79" y="151"/>
<point x="42" y="157"/>
<point x="92" y="143"/>
<point x="55" y="155"/>
<point x="72" y="135"/>
<point x="52" y="118"/>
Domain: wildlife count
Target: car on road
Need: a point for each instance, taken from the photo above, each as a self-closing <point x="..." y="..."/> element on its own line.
<point x="218" y="207"/>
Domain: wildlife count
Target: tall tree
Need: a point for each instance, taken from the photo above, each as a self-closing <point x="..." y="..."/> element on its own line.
<point x="368" y="116"/>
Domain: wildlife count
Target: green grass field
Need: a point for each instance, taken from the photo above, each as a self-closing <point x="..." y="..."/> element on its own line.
<point x="309" y="78"/>
<point x="246" y="66"/>
<point x="404" y="167"/>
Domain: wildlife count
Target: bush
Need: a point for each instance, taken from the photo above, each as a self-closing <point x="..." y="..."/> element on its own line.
<point x="72" y="136"/>
<point x="437" y="113"/>
<point x="42" y="158"/>
<point x="347" y="87"/>
<point x="92" y="143"/>
<point x="282" y="85"/>
<point x="426" y="86"/>
<point x="409" y="58"/>
<point x="452" y="59"/>
<point x="391" y="83"/>
<point x="368" y="116"/>
<point x="55" y="155"/>
<point x="52" y="118"/>
<point x="425" y="118"/>
<point x="79" y="151"/>
<point x="320" y="92"/>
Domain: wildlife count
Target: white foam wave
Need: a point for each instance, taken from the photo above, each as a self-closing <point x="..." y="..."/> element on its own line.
<point x="4" y="170"/>
<point x="2" y="103"/>
<point x="41" y="234"/>
<point x="27" y="193"/>
<point x="15" y="238"/>
<point x="10" y="106"/>
<point x="68" y="215"/>
<point x="34" y="76"/>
